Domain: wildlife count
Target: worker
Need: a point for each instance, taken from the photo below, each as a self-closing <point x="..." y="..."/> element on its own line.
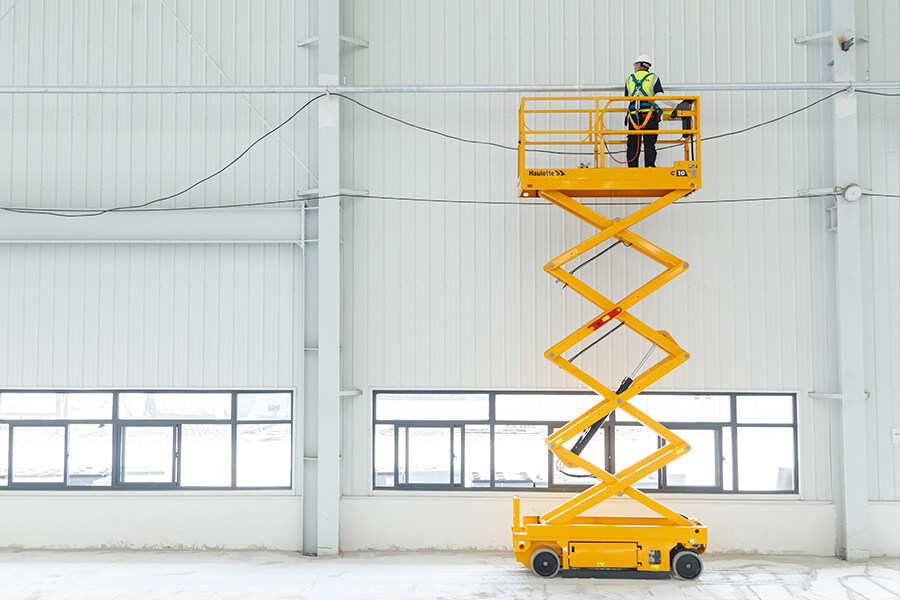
<point x="643" y="114"/>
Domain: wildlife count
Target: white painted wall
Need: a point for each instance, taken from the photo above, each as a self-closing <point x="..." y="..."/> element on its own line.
<point x="758" y="525"/>
<point x="148" y="315"/>
<point x="417" y="522"/>
<point x="151" y="316"/>
<point x="880" y="172"/>
<point x="102" y="150"/>
<point x="443" y="296"/>
<point x="436" y="296"/>
<point x="226" y="316"/>
<point x="150" y="520"/>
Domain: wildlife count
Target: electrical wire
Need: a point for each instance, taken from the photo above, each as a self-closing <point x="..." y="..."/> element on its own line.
<point x="237" y="158"/>
<point x="559" y="468"/>
<point x="708" y="138"/>
<point x="597" y="341"/>
<point x="637" y="149"/>
<point x="136" y="207"/>
<point x="414" y="126"/>
<point x="76" y="213"/>
<point x="784" y="116"/>
<point x="873" y="93"/>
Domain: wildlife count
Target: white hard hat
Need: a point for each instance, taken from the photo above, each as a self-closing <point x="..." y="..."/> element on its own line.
<point x="643" y="58"/>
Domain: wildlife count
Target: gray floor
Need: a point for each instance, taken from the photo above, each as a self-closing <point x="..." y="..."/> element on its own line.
<point x="38" y="575"/>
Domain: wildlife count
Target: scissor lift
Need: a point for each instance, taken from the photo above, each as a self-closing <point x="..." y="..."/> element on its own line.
<point x="565" y="539"/>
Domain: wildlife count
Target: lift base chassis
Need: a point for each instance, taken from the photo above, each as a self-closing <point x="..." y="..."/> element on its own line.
<point x="626" y="547"/>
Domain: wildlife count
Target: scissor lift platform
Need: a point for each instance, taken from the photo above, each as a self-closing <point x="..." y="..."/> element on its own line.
<point x="580" y="158"/>
<point x="565" y="539"/>
<point x="592" y="182"/>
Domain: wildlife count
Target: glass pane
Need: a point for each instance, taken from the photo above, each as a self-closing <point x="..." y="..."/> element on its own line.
<point x="765" y="409"/>
<point x="594" y="453"/>
<point x="478" y="456"/>
<point x="206" y="455"/>
<point x="680" y="408"/>
<point x="384" y="455"/>
<point x="520" y="456"/>
<point x="268" y="407"/>
<point x="765" y="459"/>
<point x="44" y="405"/>
<point x="4" y="455"/>
<point x="39" y="454"/>
<point x="696" y="468"/>
<point x="264" y="455"/>
<point x="90" y="455"/>
<point x="727" y="459"/>
<point x="543" y="407"/>
<point x="632" y="445"/>
<point x="174" y="406"/>
<point x="431" y="407"/>
<point x="147" y="454"/>
<point x="457" y="455"/>
<point x="428" y="457"/>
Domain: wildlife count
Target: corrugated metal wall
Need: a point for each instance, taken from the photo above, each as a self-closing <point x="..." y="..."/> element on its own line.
<point x="880" y="172"/>
<point x="96" y="150"/>
<point x="437" y="295"/>
<point x="450" y="296"/>
<point x="452" y="254"/>
<point x="151" y="315"/>
<point x="101" y="316"/>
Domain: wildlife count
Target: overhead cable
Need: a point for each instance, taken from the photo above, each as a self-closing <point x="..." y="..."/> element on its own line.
<point x="75" y="213"/>
<point x="876" y="93"/>
<point x="144" y="205"/>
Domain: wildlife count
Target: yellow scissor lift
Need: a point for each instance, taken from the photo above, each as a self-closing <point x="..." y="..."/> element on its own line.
<point x="565" y="539"/>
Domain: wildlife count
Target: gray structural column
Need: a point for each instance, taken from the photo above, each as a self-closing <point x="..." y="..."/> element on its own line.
<point x="851" y="501"/>
<point x="328" y="480"/>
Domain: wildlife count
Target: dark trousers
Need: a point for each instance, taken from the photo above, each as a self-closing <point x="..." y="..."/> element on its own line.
<point x="634" y="150"/>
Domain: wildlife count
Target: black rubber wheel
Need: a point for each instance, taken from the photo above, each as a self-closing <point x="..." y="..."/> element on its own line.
<point x="687" y="565"/>
<point x="545" y="562"/>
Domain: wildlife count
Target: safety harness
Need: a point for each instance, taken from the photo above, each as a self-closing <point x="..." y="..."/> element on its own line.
<point x="641" y="106"/>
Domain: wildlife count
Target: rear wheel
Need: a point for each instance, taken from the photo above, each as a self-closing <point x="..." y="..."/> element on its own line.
<point x="687" y="565"/>
<point x="545" y="562"/>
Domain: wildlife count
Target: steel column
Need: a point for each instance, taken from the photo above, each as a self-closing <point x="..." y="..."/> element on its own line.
<point x="329" y="402"/>
<point x="852" y="500"/>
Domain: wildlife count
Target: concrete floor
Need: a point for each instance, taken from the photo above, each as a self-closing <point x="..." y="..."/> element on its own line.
<point x="97" y="575"/>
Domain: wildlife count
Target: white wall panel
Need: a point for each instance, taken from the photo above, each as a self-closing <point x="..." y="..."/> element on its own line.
<point x="881" y="299"/>
<point x="483" y="521"/>
<point x="91" y="315"/>
<point x="101" y="150"/>
<point x="880" y="172"/>
<point x="453" y="295"/>
<point x="437" y="295"/>
<point x="150" y="520"/>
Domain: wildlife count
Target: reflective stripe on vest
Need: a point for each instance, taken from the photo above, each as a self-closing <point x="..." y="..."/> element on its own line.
<point x="642" y="87"/>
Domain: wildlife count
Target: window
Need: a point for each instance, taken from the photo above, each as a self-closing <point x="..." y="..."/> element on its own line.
<point x="740" y="443"/>
<point x="145" y="440"/>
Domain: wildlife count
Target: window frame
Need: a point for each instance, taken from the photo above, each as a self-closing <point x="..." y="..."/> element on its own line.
<point x="449" y="425"/>
<point x="717" y="427"/>
<point x="117" y="447"/>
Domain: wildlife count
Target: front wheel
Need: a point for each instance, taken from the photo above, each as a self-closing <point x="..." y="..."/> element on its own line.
<point x="687" y="565"/>
<point x="545" y="562"/>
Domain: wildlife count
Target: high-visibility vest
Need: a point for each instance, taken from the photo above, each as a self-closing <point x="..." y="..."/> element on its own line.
<point x="641" y="84"/>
